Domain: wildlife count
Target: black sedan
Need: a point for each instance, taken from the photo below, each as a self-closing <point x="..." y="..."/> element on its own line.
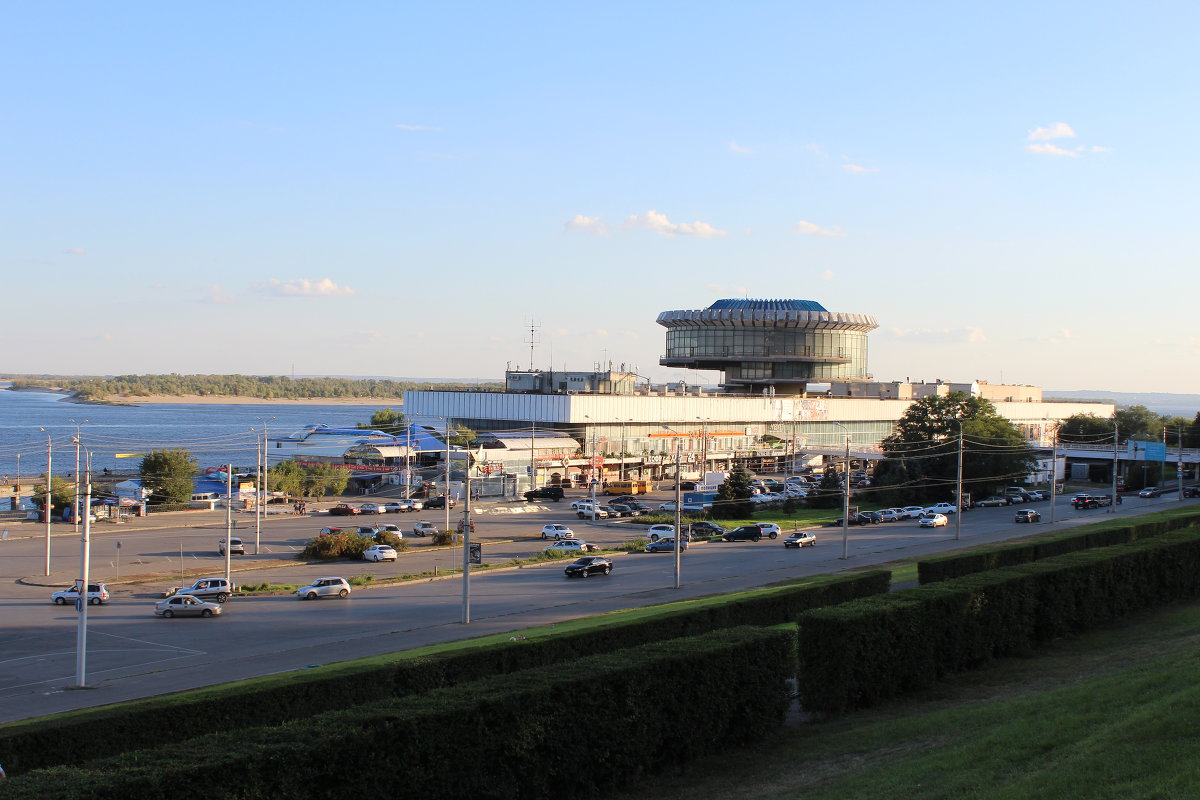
<point x="1027" y="515"/>
<point x="706" y="528"/>
<point x="588" y="565"/>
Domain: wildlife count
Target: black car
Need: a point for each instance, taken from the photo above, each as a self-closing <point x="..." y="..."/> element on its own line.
<point x="1191" y="491"/>
<point x="554" y="493"/>
<point x="439" y="502"/>
<point x="1027" y="515"/>
<point x="708" y="529"/>
<point x="874" y="516"/>
<point x="621" y="510"/>
<point x="746" y="532"/>
<point x="588" y="565"/>
<point x="855" y="519"/>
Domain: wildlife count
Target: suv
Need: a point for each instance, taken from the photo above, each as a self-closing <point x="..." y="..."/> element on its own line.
<point x="585" y="511"/>
<point x="1090" y="501"/>
<point x="752" y="533"/>
<point x="554" y="493"/>
<point x="556" y="531"/>
<point x="324" y="587"/>
<point x="439" y="502"/>
<point x="217" y="589"/>
<point x="97" y="593"/>
<point x="236" y="548"/>
<point x="706" y="528"/>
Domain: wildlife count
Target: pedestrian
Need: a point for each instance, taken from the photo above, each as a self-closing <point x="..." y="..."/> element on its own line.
<point x="2" y="775"/>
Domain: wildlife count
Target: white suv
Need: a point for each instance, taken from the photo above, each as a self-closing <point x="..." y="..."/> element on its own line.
<point x="217" y="589"/>
<point x="557" y="532"/>
<point x="324" y="587"/>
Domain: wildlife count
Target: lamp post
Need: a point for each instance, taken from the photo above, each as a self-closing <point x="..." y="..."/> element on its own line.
<point x="1054" y="473"/>
<point x="228" y="524"/>
<point x="466" y="567"/>
<point x="446" y="496"/>
<point x="266" y="471"/>
<point x="258" y="467"/>
<point x="958" y="506"/>
<point x="1112" y="507"/>
<point x="75" y="506"/>
<point x="846" y="498"/>
<point x="678" y="514"/>
<point x="85" y="558"/>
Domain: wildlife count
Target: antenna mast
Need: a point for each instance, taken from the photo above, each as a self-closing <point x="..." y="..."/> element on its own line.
<point x="532" y="340"/>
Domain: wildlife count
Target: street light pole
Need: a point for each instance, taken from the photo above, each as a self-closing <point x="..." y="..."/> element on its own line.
<point x="846" y="498"/>
<point x="47" y="506"/>
<point x="446" y="496"/>
<point x="958" y="509"/>
<point x="228" y="523"/>
<point x="258" y="466"/>
<point x="1054" y="473"/>
<point x="75" y="508"/>
<point x="85" y="558"/>
<point x="466" y="567"/>
<point x="1112" y="507"/>
<point x="678" y="520"/>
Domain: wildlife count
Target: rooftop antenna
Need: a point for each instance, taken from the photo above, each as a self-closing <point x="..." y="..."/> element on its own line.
<point x="532" y="341"/>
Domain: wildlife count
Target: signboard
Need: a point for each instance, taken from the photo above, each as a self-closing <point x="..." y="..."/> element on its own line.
<point x="475" y="553"/>
<point x="1146" y="451"/>
<point x="597" y="461"/>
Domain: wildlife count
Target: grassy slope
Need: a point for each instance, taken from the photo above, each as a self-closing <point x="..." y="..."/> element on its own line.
<point x="1109" y="715"/>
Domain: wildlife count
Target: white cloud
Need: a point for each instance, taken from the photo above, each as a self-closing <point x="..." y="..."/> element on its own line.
<point x="582" y="222"/>
<point x="600" y="332"/>
<point x="1059" y="130"/>
<point x="737" y="148"/>
<point x="1099" y="148"/>
<point x="1050" y="150"/>
<point x="654" y="221"/>
<point x="303" y="287"/>
<point x="75" y="251"/>
<point x="827" y="275"/>
<point x="939" y="335"/>
<point x="417" y="128"/>
<point x="715" y="288"/>
<point x="858" y="169"/>
<point x="813" y="229"/>
<point x="216" y="294"/>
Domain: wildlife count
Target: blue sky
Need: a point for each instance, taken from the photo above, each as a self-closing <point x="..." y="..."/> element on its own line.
<point x="399" y="189"/>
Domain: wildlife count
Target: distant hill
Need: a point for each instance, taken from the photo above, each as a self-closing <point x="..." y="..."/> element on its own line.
<point x="1184" y="405"/>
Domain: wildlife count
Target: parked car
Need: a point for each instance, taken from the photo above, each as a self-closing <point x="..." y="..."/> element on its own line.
<point x="572" y="545"/>
<point x="97" y="594"/>
<point x="751" y="533"/>
<point x="379" y="552"/>
<point x="992" y="502"/>
<point x="218" y="589"/>
<point x="557" y="532"/>
<point x="934" y="521"/>
<point x="940" y="508"/>
<point x="185" y="606"/>
<point x="621" y="510"/>
<point x="706" y="528"/>
<point x="389" y="528"/>
<point x="587" y="510"/>
<point x="665" y="546"/>
<point x="343" y="510"/>
<point x="425" y="528"/>
<point x="589" y="565"/>
<point x="332" y="531"/>
<point x="414" y="504"/>
<point x="396" y="506"/>
<point x="1027" y="515"/>
<point x="888" y="515"/>
<point x="656" y="532"/>
<point x="684" y="508"/>
<point x="1082" y="501"/>
<point x="1150" y="491"/>
<point x="801" y="539"/>
<point x="554" y="493"/>
<point x="912" y="512"/>
<point x="236" y="548"/>
<point x="855" y="519"/>
<point x="371" y="508"/>
<point x="874" y="516"/>
<point x="368" y="531"/>
<point x="324" y="587"/>
<point x="639" y="508"/>
<point x="1191" y="491"/>
<point x="439" y="502"/>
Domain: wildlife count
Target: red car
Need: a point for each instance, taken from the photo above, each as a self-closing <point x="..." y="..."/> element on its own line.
<point x="343" y="510"/>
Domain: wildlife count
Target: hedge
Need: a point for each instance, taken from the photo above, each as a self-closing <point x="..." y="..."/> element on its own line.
<point x="857" y="654"/>
<point x="62" y="739"/>
<point x="560" y="731"/>
<point x="1104" y="534"/>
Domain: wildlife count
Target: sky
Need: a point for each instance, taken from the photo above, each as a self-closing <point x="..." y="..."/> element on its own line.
<point x="407" y="189"/>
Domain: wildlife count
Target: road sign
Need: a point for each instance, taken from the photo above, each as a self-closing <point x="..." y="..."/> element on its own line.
<point x="597" y="461"/>
<point x="475" y="553"/>
<point x="118" y="544"/>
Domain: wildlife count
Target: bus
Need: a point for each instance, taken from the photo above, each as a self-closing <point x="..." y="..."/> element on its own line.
<point x="627" y="487"/>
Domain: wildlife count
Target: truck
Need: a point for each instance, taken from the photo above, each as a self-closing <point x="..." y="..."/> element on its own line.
<point x="704" y="499"/>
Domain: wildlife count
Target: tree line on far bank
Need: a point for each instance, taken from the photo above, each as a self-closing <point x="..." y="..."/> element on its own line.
<point x="266" y="387"/>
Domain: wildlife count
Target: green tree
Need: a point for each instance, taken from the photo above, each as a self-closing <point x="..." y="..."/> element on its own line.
<point x="733" y="495"/>
<point x="323" y="479"/>
<point x="287" y="477"/>
<point x="1138" y="422"/>
<point x="829" y="490"/>
<point x="1084" y="429"/>
<point x="921" y="463"/>
<point x="462" y="436"/>
<point x="62" y="492"/>
<point x="386" y="420"/>
<point x="170" y="475"/>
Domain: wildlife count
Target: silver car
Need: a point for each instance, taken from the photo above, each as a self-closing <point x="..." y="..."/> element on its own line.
<point x="184" y="605"/>
<point x="324" y="587"/>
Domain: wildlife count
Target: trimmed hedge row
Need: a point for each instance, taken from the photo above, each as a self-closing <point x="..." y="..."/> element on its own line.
<point x="491" y="738"/>
<point x="271" y="700"/>
<point x="1105" y="534"/>
<point x="857" y="654"/>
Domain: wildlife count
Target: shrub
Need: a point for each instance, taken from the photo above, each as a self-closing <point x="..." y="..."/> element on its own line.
<point x="397" y="541"/>
<point x="336" y="546"/>
<point x="445" y="538"/>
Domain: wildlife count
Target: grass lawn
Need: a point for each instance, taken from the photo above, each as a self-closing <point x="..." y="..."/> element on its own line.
<point x="1109" y="715"/>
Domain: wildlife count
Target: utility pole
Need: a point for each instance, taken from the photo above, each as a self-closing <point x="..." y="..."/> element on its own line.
<point x="47" y="507"/>
<point x="1112" y="507"/>
<point x="446" y="496"/>
<point x="85" y="557"/>
<point x="466" y="568"/>
<point x="1178" y="461"/>
<point x="1054" y="473"/>
<point x="958" y="511"/>
<point x="258" y="466"/>
<point x="846" y="505"/>
<point x="228" y="524"/>
<point x="679" y="537"/>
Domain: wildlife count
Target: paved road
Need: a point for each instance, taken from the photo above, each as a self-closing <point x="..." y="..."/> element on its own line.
<point x="134" y="654"/>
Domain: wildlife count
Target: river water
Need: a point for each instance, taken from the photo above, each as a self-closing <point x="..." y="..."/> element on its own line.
<point x="215" y="434"/>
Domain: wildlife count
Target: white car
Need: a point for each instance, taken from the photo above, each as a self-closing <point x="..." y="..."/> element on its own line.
<point x="800" y="539"/>
<point x="97" y="594"/>
<point x="769" y="529"/>
<point x="586" y="510"/>
<point x="571" y="546"/>
<point x="425" y="528"/>
<point x="656" y="532"/>
<point x="888" y="515"/>
<point x="372" y="508"/>
<point x="795" y="490"/>
<point x="324" y="587"/>
<point x="391" y="529"/>
<point x="379" y="552"/>
<point x="940" y="508"/>
<point x="934" y="521"/>
<point x="236" y="547"/>
<point x="912" y="512"/>
<point x="557" y="532"/>
<point x="185" y="606"/>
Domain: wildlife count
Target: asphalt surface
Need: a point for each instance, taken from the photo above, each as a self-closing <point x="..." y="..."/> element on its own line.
<point x="132" y="653"/>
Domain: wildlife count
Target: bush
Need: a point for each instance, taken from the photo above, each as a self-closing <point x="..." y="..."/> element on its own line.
<point x="336" y="546"/>
<point x="503" y="721"/>
<point x="271" y="700"/>
<point x="859" y="653"/>
<point x="397" y="541"/>
<point x="445" y="538"/>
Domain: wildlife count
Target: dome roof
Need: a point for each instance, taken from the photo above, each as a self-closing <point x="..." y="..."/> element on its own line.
<point x="766" y="305"/>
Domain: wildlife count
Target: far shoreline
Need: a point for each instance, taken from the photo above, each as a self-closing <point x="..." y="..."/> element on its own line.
<point x="240" y="400"/>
